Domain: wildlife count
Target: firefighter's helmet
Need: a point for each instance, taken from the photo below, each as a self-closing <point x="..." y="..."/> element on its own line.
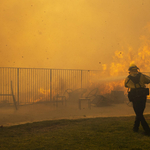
<point x="133" y="67"/>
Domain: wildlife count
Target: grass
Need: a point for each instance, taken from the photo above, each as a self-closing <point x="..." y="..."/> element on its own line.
<point x="112" y="133"/>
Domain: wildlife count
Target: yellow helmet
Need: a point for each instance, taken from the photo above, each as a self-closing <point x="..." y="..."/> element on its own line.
<point x="133" y="67"/>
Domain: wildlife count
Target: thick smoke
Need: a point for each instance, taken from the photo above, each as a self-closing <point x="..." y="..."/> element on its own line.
<point x="70" y="34"/>
<point x="93" y="35"/>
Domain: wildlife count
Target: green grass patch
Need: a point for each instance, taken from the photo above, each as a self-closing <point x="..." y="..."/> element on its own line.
<point x="113" y="133"/>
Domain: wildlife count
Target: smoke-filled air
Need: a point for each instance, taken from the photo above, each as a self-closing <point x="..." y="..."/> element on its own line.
<point x="97" y="38"/>
<point x="84" y="34"/>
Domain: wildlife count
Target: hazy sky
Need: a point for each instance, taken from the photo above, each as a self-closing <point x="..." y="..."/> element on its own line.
<point x="70" y="34"/>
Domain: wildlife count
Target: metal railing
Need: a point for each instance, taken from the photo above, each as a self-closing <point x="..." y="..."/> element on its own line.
<point x="31" y="85"/>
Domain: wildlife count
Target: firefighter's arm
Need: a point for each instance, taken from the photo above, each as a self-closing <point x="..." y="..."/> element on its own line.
<point x="126" y="82"/>
<point x="146" y="79"/>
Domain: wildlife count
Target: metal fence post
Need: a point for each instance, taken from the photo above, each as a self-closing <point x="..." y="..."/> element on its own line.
<point x="50" y="84"/>
<point x="18" y="85"/>
<point x="81" y="79"/>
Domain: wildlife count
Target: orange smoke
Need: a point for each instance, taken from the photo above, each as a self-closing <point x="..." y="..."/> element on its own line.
<point x="113" y="75"/>
<point x="121" y="61"/>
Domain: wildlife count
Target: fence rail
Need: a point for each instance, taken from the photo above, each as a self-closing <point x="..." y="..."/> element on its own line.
<point x="31" y="85"/>
<point x="36" y="84"/>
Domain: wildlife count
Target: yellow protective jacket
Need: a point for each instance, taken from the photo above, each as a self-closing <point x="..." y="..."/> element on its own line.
<point x="139" y="81"/>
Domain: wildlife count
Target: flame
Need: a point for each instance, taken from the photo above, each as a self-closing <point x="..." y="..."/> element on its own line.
<point x="122" y="61"/>
<point x="104" y="66"/>
<point x="42" y="91"/>
<point x="141" y="58"/>
<point x="119" y="67"/>
<point x="110" y="86"/>
<point x="106" y="86"/>
<point x="43" y="95"/>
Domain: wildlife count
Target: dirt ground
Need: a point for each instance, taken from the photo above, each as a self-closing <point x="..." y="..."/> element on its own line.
<point x="47" y="111"/>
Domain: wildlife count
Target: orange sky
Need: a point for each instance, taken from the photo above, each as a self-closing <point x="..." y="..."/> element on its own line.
<point x="71" y="34"/>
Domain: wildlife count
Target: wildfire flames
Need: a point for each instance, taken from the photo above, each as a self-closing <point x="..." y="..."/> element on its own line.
<point x="121" y="62"/>
<point x="108" y="87"/>
<point x="117" y="70"/>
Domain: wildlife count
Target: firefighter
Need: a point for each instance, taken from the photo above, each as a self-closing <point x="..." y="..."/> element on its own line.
<point x="137" y="94"/>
